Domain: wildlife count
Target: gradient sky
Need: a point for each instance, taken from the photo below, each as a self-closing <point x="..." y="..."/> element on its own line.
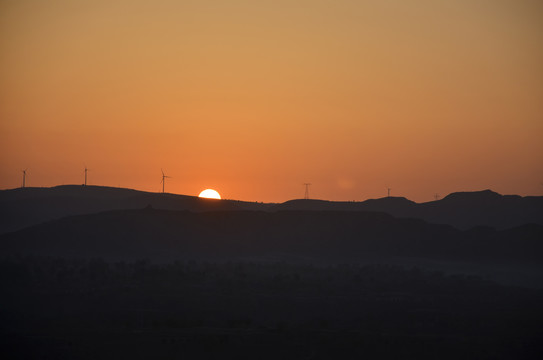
<point x="254" y="98"/>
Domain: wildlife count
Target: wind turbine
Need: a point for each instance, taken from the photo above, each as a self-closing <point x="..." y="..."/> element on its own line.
<point x="163" y="180"/>
<point x="86" y="175"/>
<point x="306" y="195"/>
<point x="24" y="177"/>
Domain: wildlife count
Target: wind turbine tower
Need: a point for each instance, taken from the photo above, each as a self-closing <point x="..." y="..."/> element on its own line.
<point x="163" y="180"/>
<point x="24" y="178"/>
<point x="306" y="195"/>
<point x="388" y="191"/>
<point x="86" y="175"/>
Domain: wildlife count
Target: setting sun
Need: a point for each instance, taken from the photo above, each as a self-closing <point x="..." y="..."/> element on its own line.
<point x="209" y="194"/>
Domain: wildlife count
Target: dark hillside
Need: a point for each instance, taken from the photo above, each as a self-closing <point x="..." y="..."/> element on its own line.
<point x="318" y="235"/>
<point x="20" y="208"/>
<point x="462" y="210"/>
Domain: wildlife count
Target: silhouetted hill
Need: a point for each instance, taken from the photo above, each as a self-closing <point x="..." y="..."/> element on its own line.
<point x="314" y="235"/>
<point x="383" y="205"/>
<point x="20" y="208"/>
<point x="468" y="209"/>
<point x="462" y="210"/>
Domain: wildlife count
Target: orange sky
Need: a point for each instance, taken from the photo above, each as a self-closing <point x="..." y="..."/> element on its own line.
<point x="254" y="98"/>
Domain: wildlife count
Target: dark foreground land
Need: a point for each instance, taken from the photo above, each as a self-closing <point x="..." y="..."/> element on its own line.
<point x="461" y="277"/>
<point x="58" y="308"/>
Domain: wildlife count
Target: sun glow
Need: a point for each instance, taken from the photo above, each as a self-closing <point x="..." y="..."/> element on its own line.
<point x="209" y="194"/>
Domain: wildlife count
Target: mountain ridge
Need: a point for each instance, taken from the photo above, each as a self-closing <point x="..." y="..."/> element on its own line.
<point x="20" y="207"/>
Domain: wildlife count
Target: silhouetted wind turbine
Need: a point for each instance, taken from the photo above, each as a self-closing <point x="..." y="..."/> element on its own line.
<point x="436" y="196"/>
<point x="163" y="180"/>
<point x="306" y="195"/>
<point x="86" y="175"/>
<point x="388" y="191"/>
<point x="24" y="177"/>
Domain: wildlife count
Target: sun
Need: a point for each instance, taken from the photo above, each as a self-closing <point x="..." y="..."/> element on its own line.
<point x="209" y="194"/>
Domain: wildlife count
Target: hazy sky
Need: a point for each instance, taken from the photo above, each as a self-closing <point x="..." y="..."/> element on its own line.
<point x="254" y="98"/>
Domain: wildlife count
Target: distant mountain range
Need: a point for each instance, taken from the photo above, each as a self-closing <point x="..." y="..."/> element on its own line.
<point x="465" y="232"/>
<point x="20" y="208"/>
<point x="462" y="210"/>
